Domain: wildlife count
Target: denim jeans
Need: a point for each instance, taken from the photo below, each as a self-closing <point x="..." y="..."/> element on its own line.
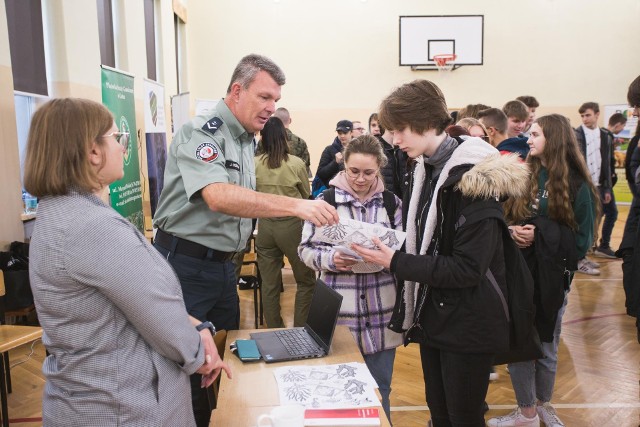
<point x="456" y="385"/>
<point x="380" y="365"/>
<point x="610" y="213"/>
<point x="534" y="380"/>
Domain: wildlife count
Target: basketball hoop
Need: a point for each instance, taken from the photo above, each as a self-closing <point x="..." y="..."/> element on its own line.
<point x="445" y="62"/>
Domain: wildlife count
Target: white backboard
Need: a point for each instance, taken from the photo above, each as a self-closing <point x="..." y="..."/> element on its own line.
<point x="421" y="37"/>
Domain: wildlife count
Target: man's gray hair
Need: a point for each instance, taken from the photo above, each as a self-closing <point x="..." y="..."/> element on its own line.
<point x="249" y="66"/>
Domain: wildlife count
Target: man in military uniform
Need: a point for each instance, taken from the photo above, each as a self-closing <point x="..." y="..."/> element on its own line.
<point x="204" y="211"/>
<point x="297" y="146"/>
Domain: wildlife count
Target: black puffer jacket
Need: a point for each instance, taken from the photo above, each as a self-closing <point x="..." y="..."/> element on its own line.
<point x="454" y="306"/>
<point x="393" y="172"/>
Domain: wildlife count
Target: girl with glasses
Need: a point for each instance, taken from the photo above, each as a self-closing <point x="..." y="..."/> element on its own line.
<point x="368" y="297"/>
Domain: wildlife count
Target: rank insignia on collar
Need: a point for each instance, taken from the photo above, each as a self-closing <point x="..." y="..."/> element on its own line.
<point x="207" y="152"/>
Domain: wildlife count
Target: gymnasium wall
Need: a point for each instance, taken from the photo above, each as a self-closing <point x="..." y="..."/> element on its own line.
<point x="341" y="56"/>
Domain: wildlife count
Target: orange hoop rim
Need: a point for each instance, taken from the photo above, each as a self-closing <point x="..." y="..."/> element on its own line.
<point x="444" y="59"/>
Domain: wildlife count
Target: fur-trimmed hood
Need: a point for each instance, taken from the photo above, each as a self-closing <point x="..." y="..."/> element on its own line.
<point x="496" y="176"/>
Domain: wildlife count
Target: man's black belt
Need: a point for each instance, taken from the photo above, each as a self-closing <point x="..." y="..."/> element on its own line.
<point x="189" y="248"/>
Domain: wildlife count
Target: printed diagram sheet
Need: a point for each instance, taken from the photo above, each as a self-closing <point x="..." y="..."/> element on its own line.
<point x="346" y="385"/>
<point x="348" y="231"/>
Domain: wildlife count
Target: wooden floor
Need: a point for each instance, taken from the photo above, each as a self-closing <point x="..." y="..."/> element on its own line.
<point x="598" y="370"/>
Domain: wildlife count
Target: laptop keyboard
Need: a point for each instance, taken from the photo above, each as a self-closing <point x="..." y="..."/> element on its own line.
<point x="297" y="342"/>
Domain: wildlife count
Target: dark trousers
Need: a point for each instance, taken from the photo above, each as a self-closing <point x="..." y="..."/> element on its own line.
<point x="630" y="253"/>
<point x="610" y="213"/>
<point x="456" y="385"/>
<point x="210" y="293"/>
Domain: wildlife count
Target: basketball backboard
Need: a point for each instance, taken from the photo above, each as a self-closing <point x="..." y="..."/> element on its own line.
<point x="421" y="37"/>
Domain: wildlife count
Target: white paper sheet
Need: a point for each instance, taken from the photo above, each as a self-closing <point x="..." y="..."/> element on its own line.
<point x="349" y="231"/>
<point x="345" y="385"/>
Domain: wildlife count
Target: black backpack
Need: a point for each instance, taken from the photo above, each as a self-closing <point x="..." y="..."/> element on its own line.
<point x="388" y="199"/>
<point x="524" y="341"/>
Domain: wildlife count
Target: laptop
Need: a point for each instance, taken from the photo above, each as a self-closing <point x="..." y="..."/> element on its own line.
<point x="313" y="340"/>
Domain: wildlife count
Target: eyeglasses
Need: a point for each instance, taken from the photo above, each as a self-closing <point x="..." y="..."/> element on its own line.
<point x="354" y="173"/>
<point x="122" y="138"/>
<point x="360" y="129"/>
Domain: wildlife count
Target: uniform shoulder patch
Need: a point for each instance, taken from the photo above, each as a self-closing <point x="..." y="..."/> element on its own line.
<point x="207" y="152"/>
<point x="212" y="125"/>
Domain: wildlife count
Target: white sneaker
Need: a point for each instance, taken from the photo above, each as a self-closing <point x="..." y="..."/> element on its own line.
<point x="592" y="264"/>
<point x="514" y="419"/>
<point x="548" y="415"/>
<point x="584" y="268"/>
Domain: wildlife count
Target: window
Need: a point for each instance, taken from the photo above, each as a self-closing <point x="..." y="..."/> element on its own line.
<point x="181" y="53"/>
<point x="150" y="37"/>
<point x="105" y="29"/>
<point x="26" y="43"/>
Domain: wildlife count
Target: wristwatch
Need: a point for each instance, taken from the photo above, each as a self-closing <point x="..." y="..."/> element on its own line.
<point x="207" y="325"/>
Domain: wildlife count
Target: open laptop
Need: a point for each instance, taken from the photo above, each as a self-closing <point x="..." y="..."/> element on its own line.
<point x="313" y="340"/>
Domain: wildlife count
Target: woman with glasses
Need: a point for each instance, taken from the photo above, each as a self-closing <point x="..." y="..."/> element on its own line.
<point x="277" y="172"/>
<point x="121" y="345"/>
<point x="368" y="297"/>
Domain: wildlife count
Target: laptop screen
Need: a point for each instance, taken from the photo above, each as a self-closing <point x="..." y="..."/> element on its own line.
<point x="323" y="314"/>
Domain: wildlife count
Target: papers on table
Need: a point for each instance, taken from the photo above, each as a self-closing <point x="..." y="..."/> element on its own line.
<point x="344" y="385"/>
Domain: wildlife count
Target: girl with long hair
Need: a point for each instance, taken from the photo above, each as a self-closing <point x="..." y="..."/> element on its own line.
<point x="278" y="172"/>
<point x="560" y="191"/>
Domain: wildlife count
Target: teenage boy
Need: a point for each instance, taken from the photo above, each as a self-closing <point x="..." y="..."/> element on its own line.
<point x="496" y="123"/>
<point x="331" y="161"/>
<point x="596" y="144"/>
<point x="517" y="116"/>
<point x="532" y="104"/>
<point x="459" y="325"/>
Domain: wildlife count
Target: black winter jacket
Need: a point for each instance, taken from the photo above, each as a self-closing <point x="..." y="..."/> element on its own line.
<point x="327" y="166"/>
<point x="455" y="306"/>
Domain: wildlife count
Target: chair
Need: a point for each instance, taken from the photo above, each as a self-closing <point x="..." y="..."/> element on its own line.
<point x="12" y="336"/>
<point x="250" y="268"/>
<point x="212" y="392"/>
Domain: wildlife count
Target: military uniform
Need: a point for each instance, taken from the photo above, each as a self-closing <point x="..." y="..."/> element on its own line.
<point x="279" y="237"/>
<point x="299" y="148"/>
<point x="197" y="242"/>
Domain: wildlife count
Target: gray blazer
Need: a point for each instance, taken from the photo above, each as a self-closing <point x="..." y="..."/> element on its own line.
<point x="120" y="342"/>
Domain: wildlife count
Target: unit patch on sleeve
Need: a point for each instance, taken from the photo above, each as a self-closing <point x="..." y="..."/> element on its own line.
<point x="207" y="152"/>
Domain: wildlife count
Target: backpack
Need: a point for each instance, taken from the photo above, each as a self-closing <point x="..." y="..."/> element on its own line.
<point x="388" y="200"/>
<point x="317" y="187"/>
<point x="524" y="341"/>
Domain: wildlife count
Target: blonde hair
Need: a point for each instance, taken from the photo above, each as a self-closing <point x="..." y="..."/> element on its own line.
<point x="60" y="138"/>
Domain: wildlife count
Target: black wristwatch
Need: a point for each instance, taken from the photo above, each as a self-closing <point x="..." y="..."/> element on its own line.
<point x="207" y="325"/>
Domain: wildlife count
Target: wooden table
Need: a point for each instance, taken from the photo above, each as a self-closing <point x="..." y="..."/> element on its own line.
<point x="253" y="389"/>
<point x="10" y="338"/>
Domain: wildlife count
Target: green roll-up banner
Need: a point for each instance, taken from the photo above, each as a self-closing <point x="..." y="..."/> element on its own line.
<point x="117" y="96"/>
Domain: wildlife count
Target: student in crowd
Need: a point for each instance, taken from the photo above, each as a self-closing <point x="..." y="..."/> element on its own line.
<point x="496" y="123"/>
<point x="517" y="116"/>
<point x="374" y="125"/>
<point x="331" y="161"/>
<point x="277" y="172"/>
<point x="471" y="110"/>
<point x="596" y="145"/>
<point x="532" y="104"/>
<point x="474" y="127"/>
<point x="445" y="301"/>
<point x="104" y="296"/>
<point x="629" y="249"/>
<point x="368" y="297"/>
<point x="558" y="174"/>
<point x="358" y="129"/>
